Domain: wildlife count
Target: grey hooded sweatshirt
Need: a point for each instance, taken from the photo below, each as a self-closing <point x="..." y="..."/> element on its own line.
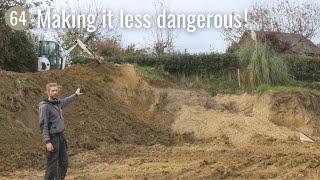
<point x="50" y="116"/>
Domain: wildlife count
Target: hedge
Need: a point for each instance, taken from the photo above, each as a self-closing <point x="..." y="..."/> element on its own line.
<point x="303" y="68"/>
<point x="185" y="63"/>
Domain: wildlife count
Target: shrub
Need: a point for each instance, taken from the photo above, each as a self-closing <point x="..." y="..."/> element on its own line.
<point x="201" y="64"/>
<point x="17" y="51"/>
<point x="131" y="50"/>
<point x="109" y="47"/>
<point x="303" y="68"/>
<point x="263" y="65"/>
<point x="233" y="47"/>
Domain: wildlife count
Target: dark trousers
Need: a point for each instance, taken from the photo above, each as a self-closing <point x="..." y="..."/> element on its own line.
<point x="57" y="161"/>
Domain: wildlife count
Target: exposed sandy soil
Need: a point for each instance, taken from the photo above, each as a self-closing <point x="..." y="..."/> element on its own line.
<point x="144" y="132"/>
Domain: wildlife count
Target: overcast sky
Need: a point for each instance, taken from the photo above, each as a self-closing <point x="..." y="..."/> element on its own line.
<point x="196" y="42"/>
<point x="199" y="41"/>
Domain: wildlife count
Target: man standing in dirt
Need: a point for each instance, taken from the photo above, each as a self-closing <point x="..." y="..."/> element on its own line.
<point x="52" y="127"/>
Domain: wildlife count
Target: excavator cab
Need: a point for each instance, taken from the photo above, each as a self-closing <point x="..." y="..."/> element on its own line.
<point x="49" y="56"/>
<point x="52" y="56"/>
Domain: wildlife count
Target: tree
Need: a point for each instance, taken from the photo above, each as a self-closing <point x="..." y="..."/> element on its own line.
<point x="17" y="50"/>
<point x="4" y="5"/>
<point x="91" y="39"/>
<point x="132" y="50"/>
<point x="109" y="47"/>
<point x="163" y="37"/>
<point x="282" y="16"/>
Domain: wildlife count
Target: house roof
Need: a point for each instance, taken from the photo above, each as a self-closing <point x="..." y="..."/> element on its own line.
<point x="284" y="42"/>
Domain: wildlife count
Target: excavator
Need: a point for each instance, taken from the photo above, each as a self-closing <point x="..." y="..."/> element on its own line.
<point x="52" y="56"/>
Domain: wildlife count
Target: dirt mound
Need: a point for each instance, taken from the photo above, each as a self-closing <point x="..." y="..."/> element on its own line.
<point x="239" y="119"/>
<point x="298" y="111"/>
<point x="111" y="111"/>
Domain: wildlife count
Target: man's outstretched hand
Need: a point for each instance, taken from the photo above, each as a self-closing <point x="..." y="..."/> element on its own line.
<point x="78" y="93"/>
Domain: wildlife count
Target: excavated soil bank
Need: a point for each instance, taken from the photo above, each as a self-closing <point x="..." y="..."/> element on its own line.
<point x="113" y="110"/>
<point x="125" y="128"/>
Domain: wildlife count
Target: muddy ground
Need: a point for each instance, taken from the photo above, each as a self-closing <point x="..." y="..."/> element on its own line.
<point x="126" y="129"/>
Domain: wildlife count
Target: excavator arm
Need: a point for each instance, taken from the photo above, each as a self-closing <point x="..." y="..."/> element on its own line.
<point x="79" y="43"/>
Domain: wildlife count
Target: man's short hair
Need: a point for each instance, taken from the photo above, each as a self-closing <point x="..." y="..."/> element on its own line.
<point x="50" y="85"/>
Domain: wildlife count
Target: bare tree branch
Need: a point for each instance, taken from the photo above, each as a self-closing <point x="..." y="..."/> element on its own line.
<point x="163" y="37"/>
<point x="282" y="16"/>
